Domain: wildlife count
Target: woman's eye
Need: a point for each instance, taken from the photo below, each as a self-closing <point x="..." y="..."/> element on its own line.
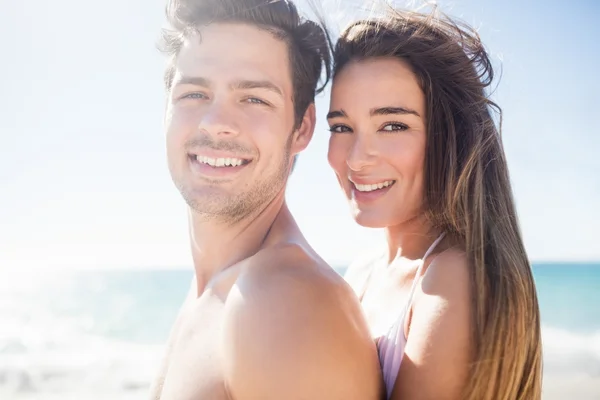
<point x="339" y="129"/>
<point x="392" y="127"/>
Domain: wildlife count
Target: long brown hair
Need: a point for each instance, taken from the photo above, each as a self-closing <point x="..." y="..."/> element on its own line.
<point x="467" y="189"/>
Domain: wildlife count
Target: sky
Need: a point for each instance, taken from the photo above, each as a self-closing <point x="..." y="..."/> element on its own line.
<point x="83" y="175"/>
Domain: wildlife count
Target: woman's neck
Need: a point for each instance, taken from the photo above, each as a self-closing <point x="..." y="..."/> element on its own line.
<point x="410" y="240"/>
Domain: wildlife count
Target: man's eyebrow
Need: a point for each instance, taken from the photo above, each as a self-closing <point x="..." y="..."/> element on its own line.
<point x="192" y="80"/>
<point x="336" y="114"/>
<point x="262" y="84"/>
<point x="392" y="110"/>
<point x="237" y="85"/>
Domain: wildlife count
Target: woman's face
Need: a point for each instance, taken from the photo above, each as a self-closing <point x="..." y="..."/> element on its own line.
<point x="377" y="143"/>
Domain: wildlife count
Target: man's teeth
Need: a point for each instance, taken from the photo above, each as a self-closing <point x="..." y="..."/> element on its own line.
<point x="220" y="162"/>
<point x="375" y="186"/>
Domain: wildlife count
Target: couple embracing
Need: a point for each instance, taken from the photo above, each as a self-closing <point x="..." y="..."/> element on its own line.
<point x="447" y="311"/>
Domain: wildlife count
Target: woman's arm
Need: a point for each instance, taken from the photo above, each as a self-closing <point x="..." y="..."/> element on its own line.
<point x="439" y="346"/>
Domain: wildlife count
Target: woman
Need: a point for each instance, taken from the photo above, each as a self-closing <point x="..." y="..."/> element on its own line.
<point x="452" y="300"/>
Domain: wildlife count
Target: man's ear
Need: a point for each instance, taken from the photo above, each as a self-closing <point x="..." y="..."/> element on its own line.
<point x="305" y="131"/>
<point x="167" y="110"/>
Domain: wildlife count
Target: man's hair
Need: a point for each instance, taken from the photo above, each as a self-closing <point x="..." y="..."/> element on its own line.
<point x="308" y="42"/>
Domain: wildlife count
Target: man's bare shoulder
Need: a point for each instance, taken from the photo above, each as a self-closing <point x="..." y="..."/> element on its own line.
<point x="294" y="329"/>
<point x="290" y="280"/>
<point x="292" y="270"/>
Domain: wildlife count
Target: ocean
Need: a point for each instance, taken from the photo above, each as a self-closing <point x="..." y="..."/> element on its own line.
<point x="100" y="334"/>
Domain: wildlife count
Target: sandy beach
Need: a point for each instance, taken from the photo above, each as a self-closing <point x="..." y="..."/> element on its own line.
<point x="555" y="388"/>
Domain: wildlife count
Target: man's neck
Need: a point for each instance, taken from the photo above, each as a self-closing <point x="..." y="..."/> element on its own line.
<point x="217" y="245"/>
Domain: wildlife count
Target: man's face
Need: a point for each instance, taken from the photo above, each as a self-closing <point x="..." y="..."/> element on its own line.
<point x="230" y="119"/>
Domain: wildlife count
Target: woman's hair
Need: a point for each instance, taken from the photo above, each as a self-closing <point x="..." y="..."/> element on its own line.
<point x="467" y="189"/>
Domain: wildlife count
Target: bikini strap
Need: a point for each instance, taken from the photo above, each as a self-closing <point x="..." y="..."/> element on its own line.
<point x="418" y="275"/>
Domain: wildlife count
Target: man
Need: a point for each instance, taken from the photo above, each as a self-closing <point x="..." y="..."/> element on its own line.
<point x="266" y="317"/>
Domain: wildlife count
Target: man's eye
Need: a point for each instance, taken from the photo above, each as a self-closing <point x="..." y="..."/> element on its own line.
<point x="255" y="100"/>
<point x="194" y="95"/>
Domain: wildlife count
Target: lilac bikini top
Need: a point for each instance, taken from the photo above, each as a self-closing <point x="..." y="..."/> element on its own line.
<point x="391" y="345"/>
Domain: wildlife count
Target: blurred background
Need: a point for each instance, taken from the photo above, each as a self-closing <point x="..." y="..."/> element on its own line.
<point x="94" y="256"/>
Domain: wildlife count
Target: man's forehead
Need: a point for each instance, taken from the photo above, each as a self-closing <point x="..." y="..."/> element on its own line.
<point x="235" y="56"/>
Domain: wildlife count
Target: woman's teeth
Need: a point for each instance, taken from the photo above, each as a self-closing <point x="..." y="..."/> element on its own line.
<point x="371" y="187"/>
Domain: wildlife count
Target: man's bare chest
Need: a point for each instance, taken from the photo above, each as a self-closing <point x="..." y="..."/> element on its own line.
<point x="195" y="369"/>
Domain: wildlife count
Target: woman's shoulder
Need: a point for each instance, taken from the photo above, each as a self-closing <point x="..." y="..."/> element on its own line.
<point x="448" y="275"/>
<point x="450" y="254"/>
